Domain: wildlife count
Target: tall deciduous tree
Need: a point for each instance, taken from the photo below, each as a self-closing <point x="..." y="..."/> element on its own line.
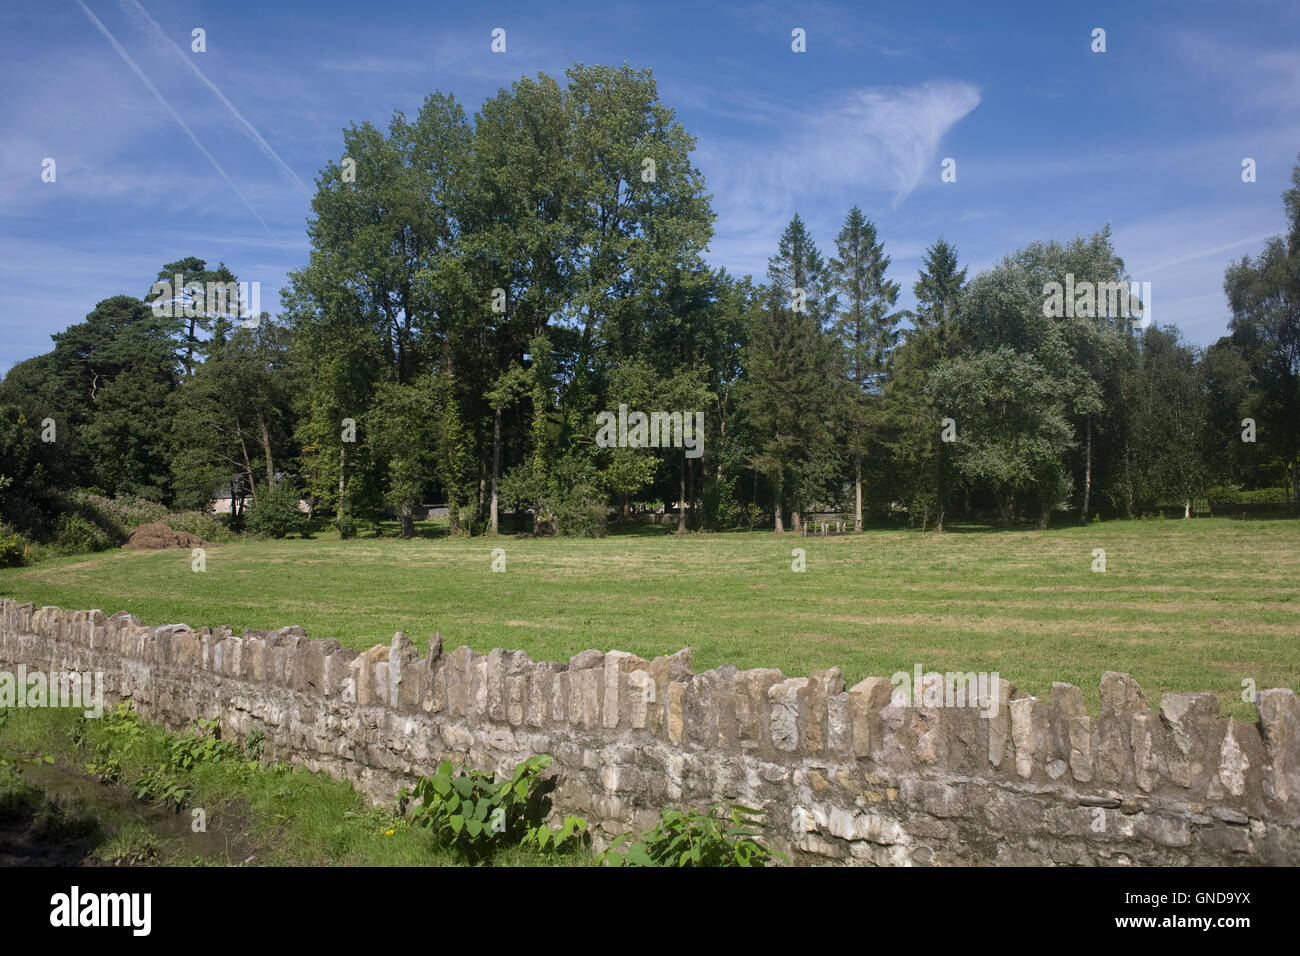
<point x="1264" y="294"/>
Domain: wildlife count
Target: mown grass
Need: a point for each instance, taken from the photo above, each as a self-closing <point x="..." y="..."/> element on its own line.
<point x="1183" y="605"/>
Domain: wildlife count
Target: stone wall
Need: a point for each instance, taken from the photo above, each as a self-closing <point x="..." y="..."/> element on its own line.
<point x="843" y="775"/>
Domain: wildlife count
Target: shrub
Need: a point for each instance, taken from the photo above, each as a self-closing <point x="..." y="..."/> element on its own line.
<point x="692" y="838"/>
<point x="576" y="500"/>
<point x="199" y="524"/>
<point x="276" y="513"/>
<point x="347" y="526"/>
<point x="752" y="516"/>
<point x="74" y="534"/>
<point x="474" y="814"/>
<point x="719" y="507"/>
<point x="1221" y="495"/>
<point x="117" y="517"/>
<point x="12" y="550"/>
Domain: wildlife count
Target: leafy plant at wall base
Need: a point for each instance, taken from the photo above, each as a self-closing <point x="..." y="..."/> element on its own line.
<point x="474" y="814"/>
<point x="123" y="732"/>
<point x="692" y="838"/>
<point x="255" y="743"/>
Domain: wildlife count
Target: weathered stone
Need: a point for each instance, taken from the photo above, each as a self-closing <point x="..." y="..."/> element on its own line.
<point x="515" y="685"/>
<point x="641" y="693"/>
<point x="996" y="704"/>
<point x="584" y="659"/>
<point x="866" y="699"/>
<point x="1279" y="723"/>
<point x="821" y="686"/>
<point x="363" y="674"/>
<point x="787" y="702"/>
<point x="617" y="664"/>
<point x="1149" y="760"/>
<point x="1122" y="696"/>
<point x="674" y="667"/>
<point x="1071" y="730"/>
<point x="1028" y="733"/>
<point x="750" y="701"/>
<point x="675" y="719"/>
<point x="539" y="677"/>
<point x="403" y="690"/>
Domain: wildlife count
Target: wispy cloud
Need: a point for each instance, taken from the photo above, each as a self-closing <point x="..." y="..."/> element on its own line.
<point x="174" y="115"/>
<point x="868" y="140"/>
<point x="136" y="11"/>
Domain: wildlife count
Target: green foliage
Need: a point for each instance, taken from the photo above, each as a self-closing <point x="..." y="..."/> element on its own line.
<point x="117" y="516"/>
<point x="475" y="815"/>
<point x="166" y="782"/>
<point x="1220" y="495"/>
<point x="693" y="838"/>
<point x="73" y="534"/>
<point x="12" y="550"/>
<point x="199" y="524"/>
<point x="135" y="845"/>
<point x="276" y="513"/>
<point x="123" y="734"/>
<point x="576" y="500"/>
<point x="752" y="516"/>
<point x="125" y="740"/>
<point x="254" y="743"/>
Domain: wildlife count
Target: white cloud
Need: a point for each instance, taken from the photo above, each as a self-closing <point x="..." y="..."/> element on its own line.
<point x="868" y="140"/>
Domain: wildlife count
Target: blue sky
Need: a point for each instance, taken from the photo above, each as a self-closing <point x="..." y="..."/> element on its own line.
<point x="1051" y="140"/>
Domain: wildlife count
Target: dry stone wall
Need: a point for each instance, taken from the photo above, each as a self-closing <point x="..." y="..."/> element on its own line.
<point x="844" y="775"/>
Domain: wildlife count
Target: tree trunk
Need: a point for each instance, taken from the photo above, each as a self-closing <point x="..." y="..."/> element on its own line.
<point x="857" y="493"/>
<point x="266" y="450"/>
<point x="795" y="521"/>
<point x="496" y="470"/>
<point x="690" y="484"/>
<point x="1087" y="470"/>
<point x="1187" y="508"/>
<point x="342" y="453"/>
<point x="681" y="497"/>
<point x="780" y="528"/>
<point x="248" y="465"/>
<point x="938" y="521"/>
<point x="408" y="525"/>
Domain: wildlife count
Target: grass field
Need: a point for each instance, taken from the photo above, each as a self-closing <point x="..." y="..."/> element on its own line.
<point x="1182" y="605"/>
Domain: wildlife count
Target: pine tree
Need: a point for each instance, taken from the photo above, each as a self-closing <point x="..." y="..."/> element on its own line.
<point x="793" y="374"/>
<point x="866" y="327"/>
<point x="938" y="286"/>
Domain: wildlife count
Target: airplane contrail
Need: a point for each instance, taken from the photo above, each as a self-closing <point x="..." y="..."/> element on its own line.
<point x="157" y="32"/>
<point x="176" y="116"/>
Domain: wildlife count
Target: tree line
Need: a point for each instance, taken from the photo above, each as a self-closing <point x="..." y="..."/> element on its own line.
<point x="478" y="292"/>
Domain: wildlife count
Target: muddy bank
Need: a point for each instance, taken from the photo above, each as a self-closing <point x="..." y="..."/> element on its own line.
<point x="59" y="815"/>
